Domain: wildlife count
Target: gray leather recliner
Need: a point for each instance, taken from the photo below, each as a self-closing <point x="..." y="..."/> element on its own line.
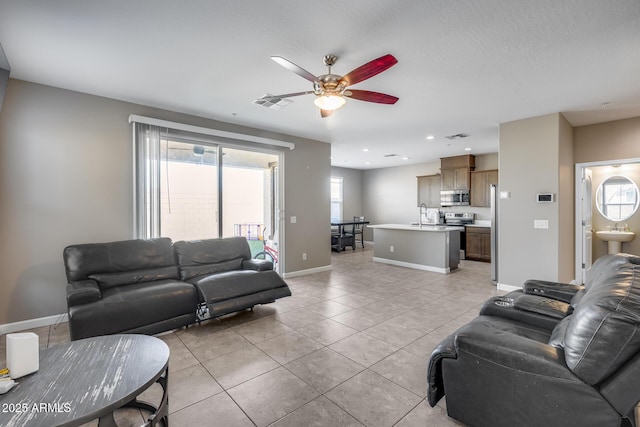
<point x="585" y="371"/>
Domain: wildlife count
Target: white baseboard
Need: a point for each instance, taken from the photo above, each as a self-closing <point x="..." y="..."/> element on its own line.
<point x="10" y="328"/>
<point x="412" y="265"/>
<point x="305" y="272"/>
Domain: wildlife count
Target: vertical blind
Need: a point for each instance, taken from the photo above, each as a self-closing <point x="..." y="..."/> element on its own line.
<point x="147" y="183"/>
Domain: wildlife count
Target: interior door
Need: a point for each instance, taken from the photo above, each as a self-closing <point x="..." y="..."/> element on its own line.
<point x="587" y="228"/>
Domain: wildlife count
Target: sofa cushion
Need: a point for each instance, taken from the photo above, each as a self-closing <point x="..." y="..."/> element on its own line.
<point x="201" y="257"/>
<point x="109" y="280"/>
<point x="604" y="330"/>
<point x="132" y="306"/>
<point x="84" y="260"/>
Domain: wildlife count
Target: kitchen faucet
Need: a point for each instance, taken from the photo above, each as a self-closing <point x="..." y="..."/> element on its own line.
<point x="422" y="205"/>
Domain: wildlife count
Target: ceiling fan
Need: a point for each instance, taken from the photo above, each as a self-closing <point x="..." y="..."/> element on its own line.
<point x="332" y="89"/>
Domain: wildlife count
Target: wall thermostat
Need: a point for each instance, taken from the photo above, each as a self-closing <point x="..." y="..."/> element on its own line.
<point x="544" y="198"/>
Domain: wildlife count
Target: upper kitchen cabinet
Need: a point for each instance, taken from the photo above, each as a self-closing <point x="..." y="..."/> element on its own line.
<point x="481" y="187"/>
<point x="429" y="190"/>
<point x="456" y="172"/>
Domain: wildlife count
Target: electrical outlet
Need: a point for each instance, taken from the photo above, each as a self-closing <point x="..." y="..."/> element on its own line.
<point x="391" y="248"/>
<point x="304" y="256"/>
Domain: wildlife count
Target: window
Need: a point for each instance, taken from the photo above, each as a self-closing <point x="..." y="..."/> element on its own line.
<point x="190" y="186"/>
<point x="336" y="198"/>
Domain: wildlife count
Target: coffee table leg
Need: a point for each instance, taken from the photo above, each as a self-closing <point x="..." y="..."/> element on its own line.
<point x="107" y="421"/>
<point x="159" y="415"/>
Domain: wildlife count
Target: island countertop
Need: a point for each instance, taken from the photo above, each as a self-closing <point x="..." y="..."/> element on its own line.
<point x="425" y="227"/>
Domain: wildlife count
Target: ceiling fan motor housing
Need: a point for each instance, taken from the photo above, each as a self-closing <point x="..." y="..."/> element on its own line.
<point x="329" y="84"/>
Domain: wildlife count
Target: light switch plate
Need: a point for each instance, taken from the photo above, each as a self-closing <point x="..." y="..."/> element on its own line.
<point x="294" y="220"/>
<point x="540" y="223"/>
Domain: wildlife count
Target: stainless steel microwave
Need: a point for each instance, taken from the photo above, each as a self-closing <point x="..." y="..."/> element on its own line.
<point x="454" y="198"/>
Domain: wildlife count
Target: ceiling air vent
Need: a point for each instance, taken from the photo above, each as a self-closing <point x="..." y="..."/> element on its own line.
<point x="270" y="101"/>
<point x="391" y="155"/>
<point x="457" y="136"/>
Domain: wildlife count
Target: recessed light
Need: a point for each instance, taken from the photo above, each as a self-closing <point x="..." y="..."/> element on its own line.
<point x="405" y="158"/>
<point x="430" y="137"/>
<point x="367" y="163"/>
<point x="467" y="149"/>
<point x="366" y="150"/>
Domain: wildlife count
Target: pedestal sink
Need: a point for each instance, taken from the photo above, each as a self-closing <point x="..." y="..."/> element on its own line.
<point x="615" y="239"/>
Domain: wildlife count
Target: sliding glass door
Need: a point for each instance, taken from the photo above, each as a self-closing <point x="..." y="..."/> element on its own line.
<point x="191" y="189"/>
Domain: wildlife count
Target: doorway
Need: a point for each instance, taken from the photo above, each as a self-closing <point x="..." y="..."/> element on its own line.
<point x="587" y="177"/>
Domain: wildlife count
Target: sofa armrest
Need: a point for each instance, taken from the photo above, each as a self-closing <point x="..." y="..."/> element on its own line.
<point x="512" y="351"/>
<point x="435" y="387"/>
<point x="82" y="292"/>
<point x="559" y="291"/>
<point x="257" y="264"/>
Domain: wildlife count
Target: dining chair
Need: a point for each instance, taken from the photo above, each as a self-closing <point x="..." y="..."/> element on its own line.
<point x="340" y="240"/>
<point x="358" y="229"/>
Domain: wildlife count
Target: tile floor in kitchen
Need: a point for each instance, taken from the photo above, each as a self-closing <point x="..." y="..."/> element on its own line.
<point x="349" y="348"/>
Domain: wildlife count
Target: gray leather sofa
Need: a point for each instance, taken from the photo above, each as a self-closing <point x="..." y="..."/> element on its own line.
<point x="512" y="366"/>
<point x="152" y="286"/>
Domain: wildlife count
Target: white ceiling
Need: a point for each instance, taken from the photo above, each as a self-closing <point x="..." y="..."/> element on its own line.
<point x="463" y="66"/>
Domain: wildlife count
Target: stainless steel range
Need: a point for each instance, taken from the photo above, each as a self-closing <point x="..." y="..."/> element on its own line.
<point x="459" y="218"/>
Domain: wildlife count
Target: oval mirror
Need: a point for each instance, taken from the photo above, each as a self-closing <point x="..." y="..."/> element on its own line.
<point x="617" y="198"/>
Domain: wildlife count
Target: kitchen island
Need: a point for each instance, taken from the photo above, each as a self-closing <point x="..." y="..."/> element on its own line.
<point x="424" y="247"/>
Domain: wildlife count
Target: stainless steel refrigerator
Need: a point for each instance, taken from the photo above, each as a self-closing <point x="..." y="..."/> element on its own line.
<point x="494" y="233"/>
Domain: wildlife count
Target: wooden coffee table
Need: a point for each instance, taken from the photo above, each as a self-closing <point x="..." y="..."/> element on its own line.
<point x="89" y="379"/>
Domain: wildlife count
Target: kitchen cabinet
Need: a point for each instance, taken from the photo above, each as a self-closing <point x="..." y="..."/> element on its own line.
<point x="481" y="187"/>
<point x="455" y="179"/>
<point x="456" y="172"/>
<point x="478" y="244"/>
<point x="429" y="190"/>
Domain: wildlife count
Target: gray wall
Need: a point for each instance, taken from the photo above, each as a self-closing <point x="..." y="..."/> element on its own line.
<point x="619" y="139"/>
<point x="535" y="157"/>
<point x="66" y="177"/>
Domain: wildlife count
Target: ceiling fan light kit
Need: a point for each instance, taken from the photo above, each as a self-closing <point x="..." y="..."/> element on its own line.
<point x="331" y="89"/>
<point x="329" y="102"/>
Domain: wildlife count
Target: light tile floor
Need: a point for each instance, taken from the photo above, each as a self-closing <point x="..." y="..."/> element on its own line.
<point x="349" y="348"/>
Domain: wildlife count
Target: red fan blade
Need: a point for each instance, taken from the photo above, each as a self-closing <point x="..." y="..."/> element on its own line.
<point x="367" y="95"/>
<point x="325" y="113"/>
<point x="369" y="69"/>
<point x="296" y="69"/>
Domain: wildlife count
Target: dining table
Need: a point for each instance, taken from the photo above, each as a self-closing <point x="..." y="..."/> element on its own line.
<point x="341" y="235"/>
